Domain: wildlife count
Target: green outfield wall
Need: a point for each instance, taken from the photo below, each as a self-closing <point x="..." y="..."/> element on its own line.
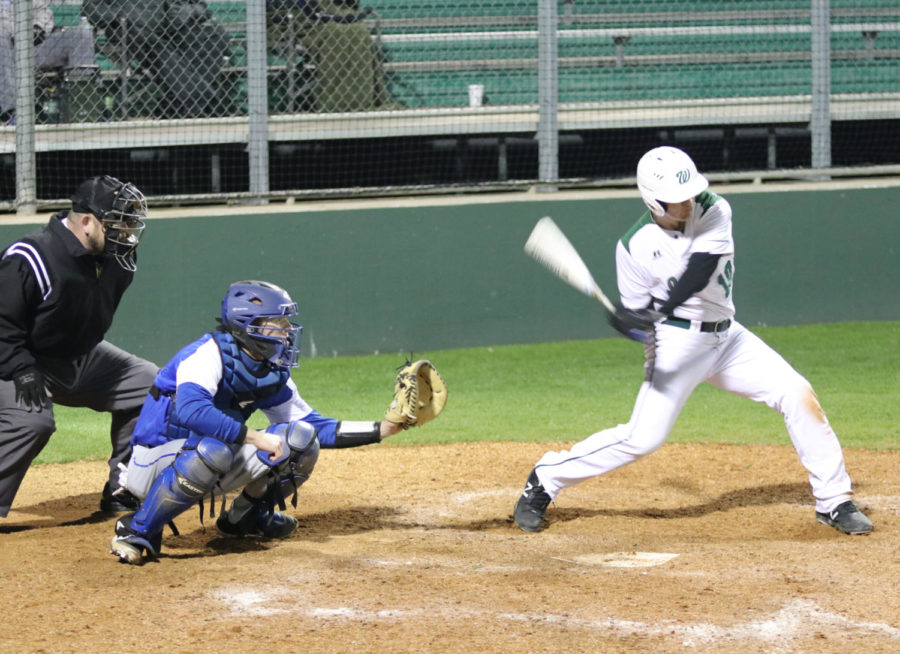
<point x="417" y="278"/>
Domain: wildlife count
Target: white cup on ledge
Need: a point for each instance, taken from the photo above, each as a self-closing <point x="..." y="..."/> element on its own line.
<point x="476" y="95"/>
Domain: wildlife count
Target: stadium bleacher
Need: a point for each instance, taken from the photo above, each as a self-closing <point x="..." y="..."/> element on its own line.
<point x="704" y="64"/>
<point x="699" y="50"/>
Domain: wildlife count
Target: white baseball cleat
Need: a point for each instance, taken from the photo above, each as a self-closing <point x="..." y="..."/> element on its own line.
<point x="129" y="545"/>
<point x="126" y="552"/>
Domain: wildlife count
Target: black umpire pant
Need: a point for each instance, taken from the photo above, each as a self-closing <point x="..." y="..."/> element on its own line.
<point x="106" y="379"/>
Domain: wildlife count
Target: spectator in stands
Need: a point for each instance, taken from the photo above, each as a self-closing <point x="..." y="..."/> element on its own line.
<point x="177" y="42"/>
<point x="348" y="71"/>
<point x="63" y="48"/>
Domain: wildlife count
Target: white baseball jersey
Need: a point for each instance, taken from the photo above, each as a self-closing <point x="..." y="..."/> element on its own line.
<point x="650" y="259"/>
<point x="682" y="355"/>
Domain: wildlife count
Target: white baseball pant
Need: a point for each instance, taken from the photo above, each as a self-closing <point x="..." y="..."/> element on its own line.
<point x="737" y="361"/>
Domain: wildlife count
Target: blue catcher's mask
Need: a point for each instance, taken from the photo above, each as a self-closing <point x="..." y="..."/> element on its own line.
<point x="258" y="315"/>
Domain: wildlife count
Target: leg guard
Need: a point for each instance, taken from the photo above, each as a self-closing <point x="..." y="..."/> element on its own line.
<point x="304" y="446"/>
<point x="301" y="454"/>
<point x="193" y="473"/>
<point x="256" y="516"/>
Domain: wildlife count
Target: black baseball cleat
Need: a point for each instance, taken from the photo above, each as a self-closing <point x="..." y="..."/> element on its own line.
<point x="118" y="503"/>
<point x="846" y="518"/>
<point x="532" y="505"/>
<point x="258" y="522"/>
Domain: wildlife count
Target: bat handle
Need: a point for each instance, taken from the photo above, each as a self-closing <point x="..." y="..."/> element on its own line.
<point x="597" y="293"/>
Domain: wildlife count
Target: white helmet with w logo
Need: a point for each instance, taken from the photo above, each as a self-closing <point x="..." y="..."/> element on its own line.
<point x="667" y="175"/>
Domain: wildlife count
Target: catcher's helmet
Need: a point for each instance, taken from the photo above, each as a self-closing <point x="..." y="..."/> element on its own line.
<point x="667" y="174"/>
<point x="247" y="307"/>
<point x="120" y="207"/>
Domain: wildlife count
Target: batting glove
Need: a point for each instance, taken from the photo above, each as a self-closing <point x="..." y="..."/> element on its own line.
<point x="636" y="325"/>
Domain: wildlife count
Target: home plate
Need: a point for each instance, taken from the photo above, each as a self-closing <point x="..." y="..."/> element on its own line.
<point x="626" y="559"/>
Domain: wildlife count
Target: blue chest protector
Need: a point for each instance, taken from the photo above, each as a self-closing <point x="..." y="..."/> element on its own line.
<point x="244" y="381"/>
<point x="244" y="385"/>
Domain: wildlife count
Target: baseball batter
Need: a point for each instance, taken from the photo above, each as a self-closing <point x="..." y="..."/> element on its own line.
<point x="675" y="270"/>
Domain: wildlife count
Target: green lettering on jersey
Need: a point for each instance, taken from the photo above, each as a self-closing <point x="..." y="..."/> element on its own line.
<point x="726" y="279"/>
<point x="646" y="219"/>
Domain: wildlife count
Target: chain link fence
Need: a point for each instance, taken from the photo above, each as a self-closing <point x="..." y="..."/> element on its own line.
<point x="248" y="100"/>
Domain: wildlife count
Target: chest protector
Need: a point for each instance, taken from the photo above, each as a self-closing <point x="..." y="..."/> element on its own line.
<point x="244" y="382"/>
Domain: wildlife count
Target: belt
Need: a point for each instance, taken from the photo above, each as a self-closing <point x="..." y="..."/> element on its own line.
<point x="719" y="326"/>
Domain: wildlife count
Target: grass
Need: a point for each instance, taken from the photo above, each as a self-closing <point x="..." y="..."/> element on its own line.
<point x="566" y="391"/>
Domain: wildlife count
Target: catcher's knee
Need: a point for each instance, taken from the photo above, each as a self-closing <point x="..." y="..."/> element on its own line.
<point x="200" y="464"/>
<point x="301" y="451"/>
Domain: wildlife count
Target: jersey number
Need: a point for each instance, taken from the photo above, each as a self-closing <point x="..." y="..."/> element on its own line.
<point x="726" y="278"/>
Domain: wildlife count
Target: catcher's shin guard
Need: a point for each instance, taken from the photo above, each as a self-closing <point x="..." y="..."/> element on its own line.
<point x="256" y="516"/>
<point x="301" y="452"/>
<point x="193" y="473"/>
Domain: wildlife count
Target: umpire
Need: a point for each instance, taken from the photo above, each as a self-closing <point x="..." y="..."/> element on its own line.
<point x="61" y="286"/>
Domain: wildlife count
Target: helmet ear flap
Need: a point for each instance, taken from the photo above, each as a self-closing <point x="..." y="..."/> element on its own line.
<point x="656" y="207"/>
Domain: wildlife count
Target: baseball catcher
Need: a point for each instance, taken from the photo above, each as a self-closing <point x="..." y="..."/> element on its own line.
<point x="191" y="440"/>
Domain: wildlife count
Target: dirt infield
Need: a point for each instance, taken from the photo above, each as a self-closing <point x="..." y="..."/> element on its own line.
<point x="400" y="549"/>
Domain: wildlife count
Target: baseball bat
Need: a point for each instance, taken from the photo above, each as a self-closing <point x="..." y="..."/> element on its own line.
<point x="550" y="247"/>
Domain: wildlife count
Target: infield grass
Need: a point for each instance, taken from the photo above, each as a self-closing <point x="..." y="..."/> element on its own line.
<point x="568" y="390"/>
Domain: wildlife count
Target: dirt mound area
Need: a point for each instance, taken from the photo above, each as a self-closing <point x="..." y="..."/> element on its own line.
<point x="695" y="548"/>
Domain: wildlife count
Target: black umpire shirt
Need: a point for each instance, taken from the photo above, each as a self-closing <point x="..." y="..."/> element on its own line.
<point x="58" y="298"/>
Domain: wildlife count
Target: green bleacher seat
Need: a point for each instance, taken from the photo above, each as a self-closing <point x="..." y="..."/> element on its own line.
<point x="513" y="78"/>
<point x="66" y="15"/>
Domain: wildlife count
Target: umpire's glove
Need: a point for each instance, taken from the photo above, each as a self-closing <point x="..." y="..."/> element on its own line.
<point x="31" y="394"/>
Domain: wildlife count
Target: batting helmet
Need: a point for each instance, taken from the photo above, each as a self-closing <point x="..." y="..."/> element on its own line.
<point x="120" y="207"/>
<point x="248" y="307"/>
<point x="668" y="175"/>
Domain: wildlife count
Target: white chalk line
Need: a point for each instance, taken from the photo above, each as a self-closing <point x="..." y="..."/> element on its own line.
<point x="455" y="505"/>
<point x="248" y="602"/>
<point x="881" y="502"/>
<point x="796" y="619"/>
<point x="448" y="564"/>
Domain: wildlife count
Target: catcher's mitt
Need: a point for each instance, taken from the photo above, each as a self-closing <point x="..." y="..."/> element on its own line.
<point x="419" y="395"/>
